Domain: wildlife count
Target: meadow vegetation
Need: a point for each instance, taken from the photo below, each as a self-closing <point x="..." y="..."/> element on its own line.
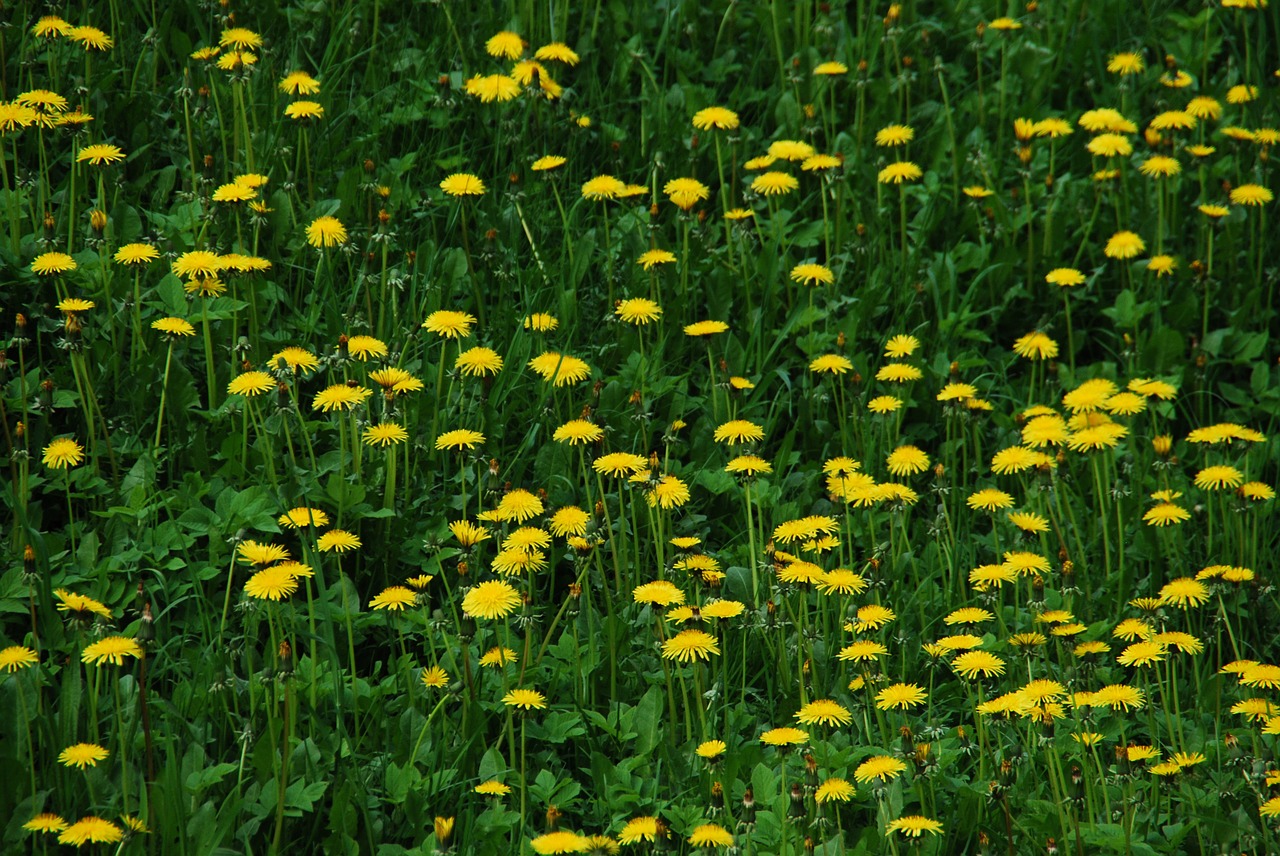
<point x="758" y="427"/>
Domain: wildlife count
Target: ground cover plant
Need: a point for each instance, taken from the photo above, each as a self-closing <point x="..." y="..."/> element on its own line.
<point x="757" y="427"/>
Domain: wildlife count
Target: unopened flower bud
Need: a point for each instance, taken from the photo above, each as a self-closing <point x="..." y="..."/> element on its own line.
<point x="443" y="830"/>
<point x="797" y="801"/>
<point x="147" y="626"/>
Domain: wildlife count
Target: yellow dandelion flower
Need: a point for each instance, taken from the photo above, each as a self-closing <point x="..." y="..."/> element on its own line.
<point x="895" y="135"/>
<point x="111" y="649"/>
<point x="327" y="231"/>
<point x="774" y="183"/>
<point x="824" y="712"/>
<point x="897" y="173"/>
<point x="879" y="768"/>
<point x="462" y="184"/>
<point x="688" y="645"/>
<point x="490" y="600"/>
<point x="812" y="274"/>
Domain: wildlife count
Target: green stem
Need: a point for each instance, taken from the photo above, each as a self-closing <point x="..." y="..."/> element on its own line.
<point x="389" y="493"/>
<point x="902" y="225"/>
<point x="71" y="520"/>
<point x="423" y="733"/>
<point x="208" y="354"/>
<point x="164" y="391"/>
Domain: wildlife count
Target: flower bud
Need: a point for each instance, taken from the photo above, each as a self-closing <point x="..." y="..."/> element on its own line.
<point x="443" y="829"/>
<point x="284" y="659"/>
<point x="796" y="810"/>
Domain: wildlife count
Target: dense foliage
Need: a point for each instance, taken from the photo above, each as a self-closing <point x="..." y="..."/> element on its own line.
<point x="766" y="427"/>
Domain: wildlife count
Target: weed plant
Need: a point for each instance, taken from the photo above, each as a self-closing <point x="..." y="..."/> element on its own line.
<point x="760" y="427"/>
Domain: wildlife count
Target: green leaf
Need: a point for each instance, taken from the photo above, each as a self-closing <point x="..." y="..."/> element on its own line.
<point x="172" y="298"/>
<point x="547" y="790"/>
<point x="1247" y="347"/>
<point x="202" y="831"/>
<point x="714" y="480"/>
<point x="1164" y="350"/>
<point x="206" y="778"/>
<point x="126" y="222"/>
<point x="648" y="718"/>
<point x="398" y="780"/>
<point x="1260" y="381"/>
<point x="1125" y="313"/>
<point x="674" y="98"/>
<point x="1212" y="344"/>
<point x="302" y="796"/>
<point x="492" y="764"/>
<point x="786" y="112"/>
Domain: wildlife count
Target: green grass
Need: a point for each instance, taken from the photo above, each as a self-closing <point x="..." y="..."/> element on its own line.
<point x="257" y="725"/>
